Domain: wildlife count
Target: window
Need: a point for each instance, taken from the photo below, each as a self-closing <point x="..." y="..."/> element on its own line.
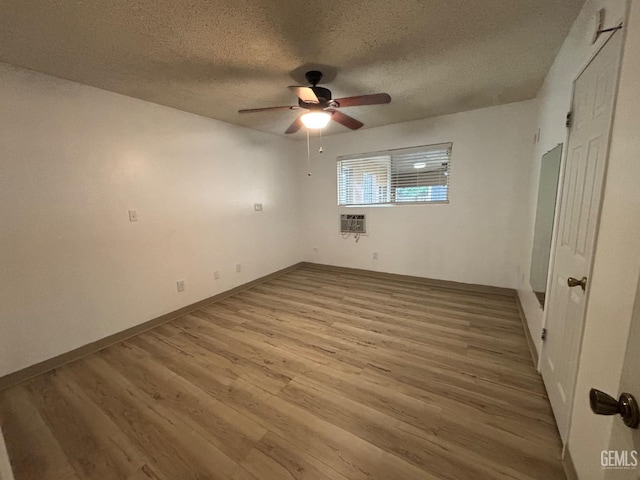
<point x="407" y="175"/>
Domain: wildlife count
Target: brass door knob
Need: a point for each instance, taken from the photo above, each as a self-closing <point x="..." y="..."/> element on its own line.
<point x="574" y="282"/>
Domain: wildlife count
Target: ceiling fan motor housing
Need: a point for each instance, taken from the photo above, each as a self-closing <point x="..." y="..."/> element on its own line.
<point x="323" y="94"/>
<point x="324" y="97"/>
<point x="313" y="77"/>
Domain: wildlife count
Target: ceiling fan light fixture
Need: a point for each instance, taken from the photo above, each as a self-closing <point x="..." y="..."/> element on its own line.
<point x="315" y="120"/>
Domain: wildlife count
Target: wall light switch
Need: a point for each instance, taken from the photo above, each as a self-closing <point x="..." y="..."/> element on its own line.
<point x="238" y="268"/>
<point x="375" y="255"/>
<point x="133" y="216"/>
<point x="180" y="284"/>
<point x="216" y="275"/>
<point x="257" y="207"/>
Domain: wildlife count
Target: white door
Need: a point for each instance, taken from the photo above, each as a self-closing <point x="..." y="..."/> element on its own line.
<point x="622" y="460"/>
<point x="586" y="158"/>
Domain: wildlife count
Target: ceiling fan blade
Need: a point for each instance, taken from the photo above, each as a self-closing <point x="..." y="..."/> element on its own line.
<point x="373" y="99"/>
<point x="295" y="126"/>
<point x="345" y="120"/>
<point x="306" y="94"/>
<point x="268" y="109"/>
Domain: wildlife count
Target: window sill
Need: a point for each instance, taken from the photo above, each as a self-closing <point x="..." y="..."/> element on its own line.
<point x="397" y="204"/>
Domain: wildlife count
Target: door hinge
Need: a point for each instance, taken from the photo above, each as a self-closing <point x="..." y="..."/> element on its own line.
<point x="569" y="122"/>
<point x="543" y="335"/>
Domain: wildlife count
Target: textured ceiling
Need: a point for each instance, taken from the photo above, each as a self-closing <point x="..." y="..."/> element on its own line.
<point x="214" y="57"/>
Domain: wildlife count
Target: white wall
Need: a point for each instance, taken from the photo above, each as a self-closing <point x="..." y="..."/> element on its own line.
<point x="476" y="238"/>
<point x="5" y="464"/>
<point x="74" y="160"/>
<point x="554" y="101"/>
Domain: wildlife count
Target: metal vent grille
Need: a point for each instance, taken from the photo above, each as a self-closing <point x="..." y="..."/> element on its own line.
<point x="353" y="223"/>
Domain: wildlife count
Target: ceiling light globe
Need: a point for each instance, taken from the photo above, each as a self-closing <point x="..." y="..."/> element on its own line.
<point x="315" y="120"/>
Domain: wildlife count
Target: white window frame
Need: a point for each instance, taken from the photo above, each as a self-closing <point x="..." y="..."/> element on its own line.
<point x="375" y="178"/>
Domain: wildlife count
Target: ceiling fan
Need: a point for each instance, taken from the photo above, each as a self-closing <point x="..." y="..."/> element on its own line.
<point x="321" y="107"/>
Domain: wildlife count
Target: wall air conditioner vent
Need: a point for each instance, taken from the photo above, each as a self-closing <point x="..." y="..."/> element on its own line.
<point x="350" y="223"/>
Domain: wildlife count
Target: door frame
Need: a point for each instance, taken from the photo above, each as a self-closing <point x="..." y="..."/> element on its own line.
<point x="557" y="214"/>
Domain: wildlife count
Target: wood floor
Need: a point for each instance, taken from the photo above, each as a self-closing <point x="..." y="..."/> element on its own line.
<point x="315" y="375"/>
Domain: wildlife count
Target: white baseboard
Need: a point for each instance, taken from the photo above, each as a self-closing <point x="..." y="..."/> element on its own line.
<point x="534" y="317"/>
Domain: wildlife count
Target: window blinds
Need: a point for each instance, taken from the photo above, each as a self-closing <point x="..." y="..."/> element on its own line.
<point x="407" y="175"/>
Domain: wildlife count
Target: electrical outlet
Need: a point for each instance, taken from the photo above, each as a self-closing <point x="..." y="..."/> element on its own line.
<point x="133" y="216"/>
<point x="257" y="207"/>
<point x="375" y="255"/>
<point x="238" y="268"/>
<point x="216" y="275"/>
<point x="180" y="284"/>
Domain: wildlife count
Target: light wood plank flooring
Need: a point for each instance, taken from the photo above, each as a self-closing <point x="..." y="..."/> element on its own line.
<point x="315" y="375"/>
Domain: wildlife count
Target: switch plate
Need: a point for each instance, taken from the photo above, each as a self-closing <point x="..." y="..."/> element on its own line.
<point x="375" y="255"/>
<point x="257" y="207"/>
<point x="238" y="268"/>
<point x="133" y="216"/>
<point x="180" y="284"/>
<point x="216" y="275"/>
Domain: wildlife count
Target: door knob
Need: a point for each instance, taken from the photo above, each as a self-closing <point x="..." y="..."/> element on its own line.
<point x="574" y="282"/>
<point x="626" y="406"/>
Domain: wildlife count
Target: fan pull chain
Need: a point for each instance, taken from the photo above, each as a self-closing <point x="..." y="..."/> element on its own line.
<point x="320" y="150"/>
<point x="308" y="155"/>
